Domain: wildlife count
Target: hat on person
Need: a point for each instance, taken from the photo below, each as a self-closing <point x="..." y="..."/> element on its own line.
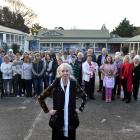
<point x="10" y="50"/>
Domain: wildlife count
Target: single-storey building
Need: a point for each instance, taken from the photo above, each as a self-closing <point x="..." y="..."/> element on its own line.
<point x="65" y="39"/>
<point x="76" y="39"/>
<point x="134" y="43"/>
<point x="9" y="36"/>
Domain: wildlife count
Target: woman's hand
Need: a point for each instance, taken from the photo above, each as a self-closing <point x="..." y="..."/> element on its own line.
<point x="77" y="110"/>
<point x="51" y="112"/>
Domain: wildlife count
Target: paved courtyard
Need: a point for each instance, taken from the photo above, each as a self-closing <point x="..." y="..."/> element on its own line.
<point x="23" y="119"/>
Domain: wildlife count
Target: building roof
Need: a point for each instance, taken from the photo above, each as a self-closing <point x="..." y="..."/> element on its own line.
<point x="44" y="33"/>
<point x="118" y="40"/>
<point x="134" y="39"/>
<point x="10" y="30"/>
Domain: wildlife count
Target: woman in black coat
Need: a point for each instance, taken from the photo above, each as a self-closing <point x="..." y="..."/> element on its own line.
<point x="64" y="90"/>
<point x="136" y="76"/>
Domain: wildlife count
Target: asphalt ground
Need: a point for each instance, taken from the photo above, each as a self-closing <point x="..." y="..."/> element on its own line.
<point x="23" y="119"/>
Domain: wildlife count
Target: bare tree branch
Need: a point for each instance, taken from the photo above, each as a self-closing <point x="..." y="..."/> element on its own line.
<point x="18" y="7"/>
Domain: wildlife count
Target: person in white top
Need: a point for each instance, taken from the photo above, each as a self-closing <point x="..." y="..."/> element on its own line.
<point x="17" y="70"/>
<point x="27" y="75"/>
<point x="6" y="69"/>
<point x="88" y="69"/>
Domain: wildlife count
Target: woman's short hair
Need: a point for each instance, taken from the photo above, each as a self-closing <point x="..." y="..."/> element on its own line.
<point x="6" y="56"/>
<point x="118" y="53"/>
<point x="118" y="57"/>
<point x="126" y="57"/>
<point x="27" y="57"/>
<point x="37" y="54"/>
<point x="80" y="54"/>
<point x="48" y="55"/>
<point x="137" y="57"/>
<point x="68" y="67"/>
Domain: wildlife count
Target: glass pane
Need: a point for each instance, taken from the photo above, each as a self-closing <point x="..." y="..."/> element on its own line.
<point x="1" y="36"/>
<point x="12" y="38"/>
<point x="16" y="38"/>
<point x="8" y="37"/>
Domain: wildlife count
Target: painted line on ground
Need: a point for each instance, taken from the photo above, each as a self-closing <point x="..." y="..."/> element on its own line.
<point x="30" y="131"/>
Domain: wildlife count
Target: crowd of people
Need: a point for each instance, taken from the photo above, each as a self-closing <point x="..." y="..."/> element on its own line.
<point x="29" y="73"/>
<point x="78" y="70"/>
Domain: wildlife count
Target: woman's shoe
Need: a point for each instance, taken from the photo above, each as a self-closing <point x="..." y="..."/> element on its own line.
<point x="123" y="99"/>
<point x="127" y="101"/>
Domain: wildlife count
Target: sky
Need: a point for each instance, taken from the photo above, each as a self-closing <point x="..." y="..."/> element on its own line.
<point x="84" y="14"/>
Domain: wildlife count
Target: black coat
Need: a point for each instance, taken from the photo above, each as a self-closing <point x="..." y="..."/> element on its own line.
<point x="136" y="73"/>
<point x="38" y="69"/>
<point x="59" y="98"/>
<point x="99" y="59"/>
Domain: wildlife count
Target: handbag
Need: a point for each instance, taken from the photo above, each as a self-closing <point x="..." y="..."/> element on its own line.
<point x="56" y="121"/>
<point x="75" y="121"/>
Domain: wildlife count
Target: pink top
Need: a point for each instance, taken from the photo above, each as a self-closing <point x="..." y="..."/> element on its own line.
<point x="108" y="70"/>
<point x="91" y="69"/>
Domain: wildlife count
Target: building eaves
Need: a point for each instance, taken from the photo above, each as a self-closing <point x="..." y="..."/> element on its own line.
<point x="134" y="39"/>
<point x="118" y="40"/>
<point x="10" y="30"/>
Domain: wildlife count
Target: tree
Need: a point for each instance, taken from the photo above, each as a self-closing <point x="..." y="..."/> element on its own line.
<point x="137" y="31"/>
<point x="6" y="17"/>
<point x="125" y="29"/>
<point x="4" y="46"/>
<point x="12" y="20"/>
<point x="15" y="48"/>
<point x="35" y="28"/>
<point x="125" y="50"/>
<point x="18" y="7"/>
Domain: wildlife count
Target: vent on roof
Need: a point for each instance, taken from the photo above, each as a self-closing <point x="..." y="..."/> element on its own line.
<point x="103" y="27"/>
<point x="52" y="33"/>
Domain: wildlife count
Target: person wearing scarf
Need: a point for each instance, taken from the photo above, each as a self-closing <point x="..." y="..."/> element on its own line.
<point x="136" y="76"/>
<point x="64" y="90"/>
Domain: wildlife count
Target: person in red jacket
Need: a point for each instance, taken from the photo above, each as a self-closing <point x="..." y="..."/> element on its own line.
<point x="126" y="71"/>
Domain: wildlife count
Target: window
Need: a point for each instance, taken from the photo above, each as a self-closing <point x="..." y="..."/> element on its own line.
<point x="1" y="36"/>
<point x="23" y="39"/>
<point x="8" y="38"/>
<point x="16" y="38"/>
<point x="12" y="38"/>
<point x="19" y="39"/>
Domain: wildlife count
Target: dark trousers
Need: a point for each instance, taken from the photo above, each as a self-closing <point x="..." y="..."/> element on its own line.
<point x="28" y="87"/>
<point x="1" y="88"/>
<point x="100" y="81"/>
<point x="136" y="85"/>
<point x="7" y="84"/>
<point x="89" y="87"/>
<point x="23" y="86"/>
<point x="38" y="85"/>
<point x="124" y="81"/>
<point x="47" y="81"/>
<point x="59" y="135"/>
<point x="127" y="95"/>
<point x="117" y="87"/>
<point x="17" y="84"/>
<point x="103" y="94"/>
